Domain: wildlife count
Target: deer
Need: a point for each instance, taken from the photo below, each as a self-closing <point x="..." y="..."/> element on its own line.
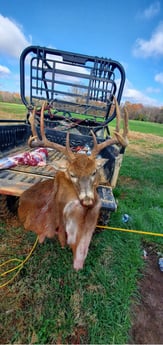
<point x="68" y="206"/>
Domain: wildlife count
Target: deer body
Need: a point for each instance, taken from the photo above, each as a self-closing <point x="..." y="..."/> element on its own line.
<point x="69" y="205"/>
<point x="77" y="221"/>
<point x="36" y="209"/>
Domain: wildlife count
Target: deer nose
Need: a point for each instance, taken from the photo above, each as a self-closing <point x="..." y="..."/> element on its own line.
<point x="87" y="201"/>
<point x="86" y="198"/>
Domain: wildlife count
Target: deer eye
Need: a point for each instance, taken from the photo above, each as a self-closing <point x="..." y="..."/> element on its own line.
<point x="94" y="173"/>
<point x="73" y="177"/>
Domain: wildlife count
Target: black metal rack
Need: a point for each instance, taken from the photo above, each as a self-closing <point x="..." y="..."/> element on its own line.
<point x="78" y="87"/>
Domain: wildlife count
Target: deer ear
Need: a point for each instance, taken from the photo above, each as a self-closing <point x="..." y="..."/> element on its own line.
<point x="60" y="165"/>
<point x="100" y="162"/>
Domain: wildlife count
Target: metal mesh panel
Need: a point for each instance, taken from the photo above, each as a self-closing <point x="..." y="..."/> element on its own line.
<point x="72" y="82"/>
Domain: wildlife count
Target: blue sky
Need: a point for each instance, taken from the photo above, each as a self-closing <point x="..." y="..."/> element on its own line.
<point x="130" y="32"/>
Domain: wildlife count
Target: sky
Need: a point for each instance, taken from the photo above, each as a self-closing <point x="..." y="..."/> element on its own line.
<point x="128" y="31"/>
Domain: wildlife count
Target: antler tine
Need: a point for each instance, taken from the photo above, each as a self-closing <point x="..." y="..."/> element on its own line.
<point x="125" y="123"/>
<point x="32" y="122"/>
<point x="104" y="144"/>
<point x="42" y="129"/>
<point x="118" y="138"/>
<point x="118" y="115"/>
<point x="45" y="141"/>
<point x="98" y="147"/>
<point x="122" y="139"/>
<point x="95" y="146"/>
<point x="33" y="140"/>
<point x="69" y="153"/>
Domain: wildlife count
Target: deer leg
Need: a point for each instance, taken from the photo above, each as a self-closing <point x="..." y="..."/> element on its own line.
<point x="61" y="235"/>
<point x="72" y="217"/>
<point x="81" y="249"/>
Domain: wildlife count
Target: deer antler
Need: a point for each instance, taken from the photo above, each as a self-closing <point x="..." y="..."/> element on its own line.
<point x="98" y="147"/>
<point x="34" y="140"/>
<point x="118" y="138"/>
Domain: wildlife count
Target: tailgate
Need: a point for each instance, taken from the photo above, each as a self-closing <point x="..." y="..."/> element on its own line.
<point x="16" y="180"/>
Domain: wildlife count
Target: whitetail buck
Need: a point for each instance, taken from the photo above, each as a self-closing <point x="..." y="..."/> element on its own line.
<point x="69" y="205"/>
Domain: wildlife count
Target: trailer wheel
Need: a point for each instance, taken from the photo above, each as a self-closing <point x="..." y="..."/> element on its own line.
<point x="8" y="206"/>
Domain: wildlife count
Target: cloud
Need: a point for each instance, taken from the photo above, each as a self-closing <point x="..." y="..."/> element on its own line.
<point x="12" y="38"/>
<point x="152" y="90"/>
<point x="151" y="47"/>
<point x="151" y="11"/>
<point x="159" y="78"/>
<point x="4" y="70"/>
<point x="135" y="96"/>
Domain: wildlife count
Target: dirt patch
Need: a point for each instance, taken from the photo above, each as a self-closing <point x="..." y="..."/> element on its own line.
<point x="148" y="313"/>
<point x="128" y="181"/>
<point x="145" y="144"/>
<point x="145" y="136"/>
<point x="80" y="336"/>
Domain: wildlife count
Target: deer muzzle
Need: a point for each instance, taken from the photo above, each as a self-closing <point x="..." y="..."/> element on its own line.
<point x="86" y="198"/>
<point x="86" y="192"/>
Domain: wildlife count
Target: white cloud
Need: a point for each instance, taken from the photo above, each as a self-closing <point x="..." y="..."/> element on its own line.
<point x="135" y="96"/>
<point x="152" y="10"/>
<point x="151" y="47"/>
<point x="12" y="38"/>
<point x="151" y="89"/>
<point x="159" y="77"/>
<point x="4" y="70"/>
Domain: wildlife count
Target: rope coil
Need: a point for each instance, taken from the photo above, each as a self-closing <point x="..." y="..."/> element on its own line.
<point x="18" y="267"/>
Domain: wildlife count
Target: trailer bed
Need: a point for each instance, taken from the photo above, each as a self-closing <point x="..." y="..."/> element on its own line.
<point x="15" y="180"/>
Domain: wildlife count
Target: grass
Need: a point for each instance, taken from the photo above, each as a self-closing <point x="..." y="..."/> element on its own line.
<point x="55" y="303"/>
<point x="144" y="127"/>
<point x="12" y="111"/>
<point x="18" y="111"/>
<point x="50" y="303"/>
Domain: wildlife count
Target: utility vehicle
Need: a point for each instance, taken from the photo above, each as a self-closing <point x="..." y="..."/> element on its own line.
<point x="79" y="91"/>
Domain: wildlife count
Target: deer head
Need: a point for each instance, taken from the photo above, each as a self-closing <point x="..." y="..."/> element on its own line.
<point x="80" y="169"/>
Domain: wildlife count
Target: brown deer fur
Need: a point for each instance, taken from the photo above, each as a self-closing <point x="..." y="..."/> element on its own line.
<point x="68" y="205"/>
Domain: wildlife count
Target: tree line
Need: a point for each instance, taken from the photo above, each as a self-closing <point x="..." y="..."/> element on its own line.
<point x="136" y="111"/>
<point x="141" y="112"/>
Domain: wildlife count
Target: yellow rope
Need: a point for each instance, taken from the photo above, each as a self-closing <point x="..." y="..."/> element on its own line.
<point x="22" y="262"/>
<point x="18" y="267"/>
<point x="130" y="230"/>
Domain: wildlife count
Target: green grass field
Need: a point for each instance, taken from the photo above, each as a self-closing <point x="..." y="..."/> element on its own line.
<point x="12" y="111"/>
<point x="144" y="127"/>
<point x="18" y="111"/>
<point x="50" y="303"/>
